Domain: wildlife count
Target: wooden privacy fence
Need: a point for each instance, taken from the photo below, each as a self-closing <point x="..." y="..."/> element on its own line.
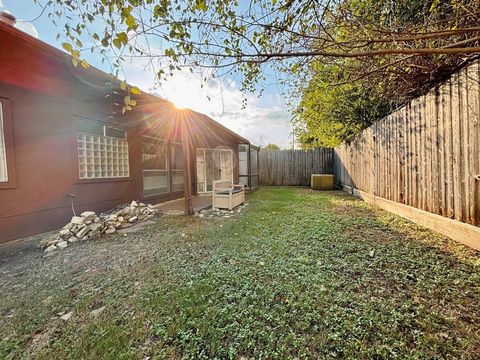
<point x="293" y="167"/>
<point x="426" y="154"/>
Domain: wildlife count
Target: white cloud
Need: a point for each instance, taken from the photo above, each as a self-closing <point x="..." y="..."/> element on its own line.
<point x="262" y="121"/>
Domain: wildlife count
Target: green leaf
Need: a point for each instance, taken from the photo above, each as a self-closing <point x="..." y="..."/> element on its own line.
<point x="131" y="22"/>
<point x="123" y="38"/>
<point x="117" y="43"/>
<point x="135" y="90"/>
<point x="67" y="46"/>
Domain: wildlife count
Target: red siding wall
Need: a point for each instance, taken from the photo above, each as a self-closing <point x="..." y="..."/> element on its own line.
<point x="45" y="166"/>
<point x="45" y="162"/>
<point x="46" y="94"/>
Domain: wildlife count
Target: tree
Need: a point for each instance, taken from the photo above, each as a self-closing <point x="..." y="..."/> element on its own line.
<point x="341" y="97"/>
<point x="328" y="115"/>
<point x="272" y="146"/>
<point x="231" y="37"/>
<point x="348" y="61"/>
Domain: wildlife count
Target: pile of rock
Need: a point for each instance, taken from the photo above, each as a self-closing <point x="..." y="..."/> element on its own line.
<point x="88" y="225"/>
<point x="213" y="212"/>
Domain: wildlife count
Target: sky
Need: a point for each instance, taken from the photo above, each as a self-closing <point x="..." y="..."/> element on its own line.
<point x="264" y="120"/>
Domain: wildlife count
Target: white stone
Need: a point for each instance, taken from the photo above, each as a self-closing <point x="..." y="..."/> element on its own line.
<point x="96" y="226"/>
<point x="110" y="230"/>
<point x="53" y="242"/>
<point x="97" y="312"/>
<point x="66" y="316"/>
<point x="133" y="219"/>
<point x="133" y="204"/>
<point x="72" y="239"/>
<point x="51" y="248"/>
<point x="77" y="220"/>
<point x="62" y="244"/>
<point x="83" y="232"/>
<point x="64" y="232"/>
<point x="88" y="214"/>
<point x="68" y="226"/>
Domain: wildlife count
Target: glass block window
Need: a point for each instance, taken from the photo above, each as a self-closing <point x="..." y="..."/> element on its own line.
<point x="102" y="152"/>
<point x="3" y="152"/>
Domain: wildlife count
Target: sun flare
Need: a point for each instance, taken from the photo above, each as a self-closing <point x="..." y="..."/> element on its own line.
<point x="184" y="93"/>
<point x="181" y="103"/>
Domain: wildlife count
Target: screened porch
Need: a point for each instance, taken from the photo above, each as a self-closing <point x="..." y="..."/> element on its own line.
<point x="248" y="165"/>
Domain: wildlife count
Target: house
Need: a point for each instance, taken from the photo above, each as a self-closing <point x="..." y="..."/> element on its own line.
<point x="64" y="142"/>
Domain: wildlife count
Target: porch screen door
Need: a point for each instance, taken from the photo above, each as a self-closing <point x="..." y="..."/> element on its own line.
<point x="212" y="165"/>
<point x="225" y="165"/>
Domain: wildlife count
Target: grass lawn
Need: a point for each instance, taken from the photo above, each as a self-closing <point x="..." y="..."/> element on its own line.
<point x="297" y="274"/>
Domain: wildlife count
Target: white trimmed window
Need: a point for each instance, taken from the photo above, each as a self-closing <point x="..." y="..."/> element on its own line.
<point x="3" y="151"/>
<point x="102" y="151"/>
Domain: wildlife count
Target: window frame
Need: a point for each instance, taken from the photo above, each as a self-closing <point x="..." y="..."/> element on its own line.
<point x="76" y="171"/>
<point x="204" y="152"/>
<point x="166" y="170"/>
<point x="9" y="144"/>
<point x="173" y="170"/>
<point x="249" y="176"/>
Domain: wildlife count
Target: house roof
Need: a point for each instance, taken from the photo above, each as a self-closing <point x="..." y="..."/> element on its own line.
<point x="63" y="60"/>
<point x="215" y="124"/>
